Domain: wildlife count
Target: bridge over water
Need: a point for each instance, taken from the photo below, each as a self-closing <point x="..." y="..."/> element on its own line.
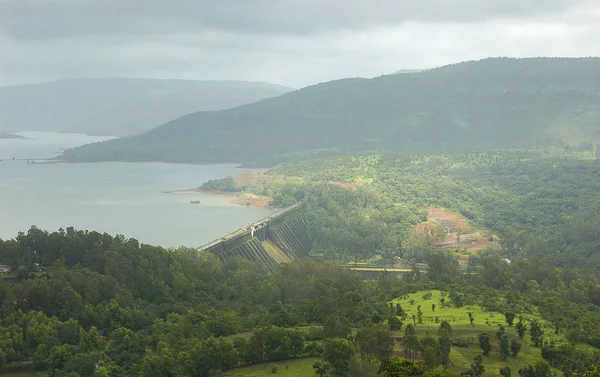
<point x="277" y="239"/>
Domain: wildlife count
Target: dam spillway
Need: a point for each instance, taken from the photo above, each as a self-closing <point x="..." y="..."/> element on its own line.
<point x="277" y="239"/>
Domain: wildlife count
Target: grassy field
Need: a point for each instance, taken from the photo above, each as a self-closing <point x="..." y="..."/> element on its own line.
<point x="484" y="322"/>
<point x="295" y="368"/>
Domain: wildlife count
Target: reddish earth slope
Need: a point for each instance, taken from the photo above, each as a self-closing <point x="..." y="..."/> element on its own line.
<point x="445" y="228"/>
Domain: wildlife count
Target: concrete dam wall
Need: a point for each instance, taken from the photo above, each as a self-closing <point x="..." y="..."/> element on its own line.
<point x="276" y="239"/>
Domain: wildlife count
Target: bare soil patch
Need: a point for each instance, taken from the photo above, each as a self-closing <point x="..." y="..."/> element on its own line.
<point x="447" y="229"/>
<point x="239" y="198"/>
<point x="251" y="200"/>
<point x="455" y="221"/>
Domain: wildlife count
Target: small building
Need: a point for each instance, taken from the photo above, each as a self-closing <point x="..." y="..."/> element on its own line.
<point x="4" y="269"/>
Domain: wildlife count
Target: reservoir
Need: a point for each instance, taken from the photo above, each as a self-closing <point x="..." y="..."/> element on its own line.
<point x="113" y="197"/>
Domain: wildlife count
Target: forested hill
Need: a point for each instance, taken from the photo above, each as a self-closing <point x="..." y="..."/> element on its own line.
<point x="118" y="106"/>
<point x="492" y="103"/>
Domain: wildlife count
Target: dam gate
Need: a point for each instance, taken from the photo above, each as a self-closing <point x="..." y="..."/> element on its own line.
<point x="274" y="240"/>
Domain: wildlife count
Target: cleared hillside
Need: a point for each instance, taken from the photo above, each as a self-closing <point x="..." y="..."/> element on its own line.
<point x="492" y="103"/>
<point x="118" y="106"/>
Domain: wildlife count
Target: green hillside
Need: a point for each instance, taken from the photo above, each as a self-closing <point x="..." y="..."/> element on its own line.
<point x="118" y="106"/>
<point x="492" y="103"/>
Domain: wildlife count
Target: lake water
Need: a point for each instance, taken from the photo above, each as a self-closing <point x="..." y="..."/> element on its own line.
<point x="112" y="197"/>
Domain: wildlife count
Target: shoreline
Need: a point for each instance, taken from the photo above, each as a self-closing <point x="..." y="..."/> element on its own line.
<point x="234" y="197"/>
<point x="236" y="165"/>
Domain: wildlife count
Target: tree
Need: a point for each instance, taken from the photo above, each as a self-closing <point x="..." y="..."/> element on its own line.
<point x="504" y="348"/>
<point x="509" y="317"/>
<point x="442" y="267"/>
<point x="210" y="355"/>
<point x="409" y="330"/>
<point x="536" y="332"/>
<point x="397" y="367"/>
<point x="430" y="350"/>
<point x="69" y="332"/>
<point x="506" y="372"/>
<point x="58" y="356"/>
<point x="101" y="372"/>
<point x="394" y="323"/>
<point x="411" y="346"/>
<point x="399" y="311"/>
<point x="515" y="347"/>
<point x="89" y="341"/>
<point x="445" y="330"/>
<point x="268" y="344"/>
<point x="477" y="368"/>
<point x="374" y="342"/>
<point x="336" y="327"/>
<point x="414" y="276"/>
<point x="158" y="366"/>
<point x="125" y="348"/>
<point x="500" y="333"/>
<point x="540" y="369"/>
<point x="322" y="368"/>
<point x="445" y="347"/>
<point x="592" y="371"/>
<point x="338" y="352"/>
<point x="485" y="344"/>
<point x="3" y="358"/>
<point x="471" y="319"/>
<point x="521" y="329"/>
<point x="281" y="315"/>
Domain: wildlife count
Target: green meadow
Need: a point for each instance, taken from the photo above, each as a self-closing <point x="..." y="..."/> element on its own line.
<point x="287" y="368"/>
<point x="467" y="334"/>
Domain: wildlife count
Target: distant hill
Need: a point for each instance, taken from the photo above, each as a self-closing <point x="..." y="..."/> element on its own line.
<point x="4" y="135"/>
<point x="118" y="106"/>
<point x="492" y="103"/>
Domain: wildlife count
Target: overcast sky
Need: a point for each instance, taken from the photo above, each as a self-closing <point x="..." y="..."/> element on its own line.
<point x="289" y="42"/>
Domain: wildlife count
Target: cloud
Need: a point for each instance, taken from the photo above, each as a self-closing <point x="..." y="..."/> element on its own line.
<point x="34" y="19"/>
<point x="292" y="42"/>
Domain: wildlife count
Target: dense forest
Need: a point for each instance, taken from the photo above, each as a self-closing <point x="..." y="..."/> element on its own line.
<point x="492" y="103"/>
<point x="81" y="303"/>
<point x="86" y="303"/>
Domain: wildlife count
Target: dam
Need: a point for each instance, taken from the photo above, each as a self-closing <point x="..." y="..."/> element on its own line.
<point x="281" y="238"/>
<point x="277" y="239"/>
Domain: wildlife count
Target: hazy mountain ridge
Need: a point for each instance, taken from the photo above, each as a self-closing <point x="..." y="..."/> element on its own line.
<point x="400" y="71"/>
<point x="119" y="106"/>
<point x="492" y="103"/>
<point x="4" y="135"/>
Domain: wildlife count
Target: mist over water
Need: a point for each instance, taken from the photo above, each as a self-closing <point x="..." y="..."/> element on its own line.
<point x="113" y="197"/>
